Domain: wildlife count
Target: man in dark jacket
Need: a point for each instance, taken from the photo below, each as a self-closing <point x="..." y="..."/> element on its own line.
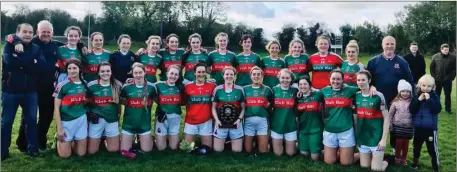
<point x="19" y="88"/>
<point x="46" y="78"/>
<point x="416" y="62"/>
<point x="387" y="69"/>
<point x="442" y="68"/>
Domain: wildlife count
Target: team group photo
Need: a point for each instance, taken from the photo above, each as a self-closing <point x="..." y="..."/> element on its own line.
<point x="151" y="95"/>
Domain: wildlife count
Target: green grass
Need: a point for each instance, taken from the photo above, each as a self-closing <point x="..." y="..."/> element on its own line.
<point x="227" y="161"/>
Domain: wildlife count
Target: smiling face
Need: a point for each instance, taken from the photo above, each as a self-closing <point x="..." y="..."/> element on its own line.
<point x="413" y="48"/>
<point x="285" y="79"/>
<point x="73" y="70"/>
<point x="105" y="72"/>
<point x="405" y="94"/>
<point x="297" y="48"/>
<point x="336" y="80"/>
<point x="45" y="33"/>
<point x="200" y="73"/>
<point x="322" y="45"/>
<point x="124" y="44"/>
<point x="222" y="42"/>
<point x="154" y="45"/>
<point x="97" y="41"/>
<point x="273" y="49"/>
<point x="73" y="37"/>
<point x="195" y="43"/>
<point x="229" y="76"/>
<point x="172" y="75"/>
<point x="173" y="43"/>
<point x="138" y="73"/>
<point x="247" y="44"/>
<point x="256" y="76"/>
<point x="363" y="82"/>
<point x="351" y="53"/>
<point x="388" y="45"/>
<point x="25" y="33"/>
<point x="303" y="85"/>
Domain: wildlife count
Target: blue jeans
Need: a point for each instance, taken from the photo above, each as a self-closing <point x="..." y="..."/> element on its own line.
<point x="29" y="105"/>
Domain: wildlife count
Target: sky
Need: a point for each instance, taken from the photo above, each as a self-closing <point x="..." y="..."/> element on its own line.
<point x="270" y="16"/>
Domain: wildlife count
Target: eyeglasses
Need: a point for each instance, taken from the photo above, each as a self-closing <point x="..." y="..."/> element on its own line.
<point x="350" y="52"/>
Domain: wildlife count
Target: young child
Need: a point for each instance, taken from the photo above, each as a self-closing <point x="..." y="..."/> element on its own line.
<point x="401" y="121"/>
<point x="424" y="108"/>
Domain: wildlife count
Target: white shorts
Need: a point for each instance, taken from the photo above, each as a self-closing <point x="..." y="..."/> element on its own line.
<point x="344" y="139"/>
<point x="103" y="127"/>
<point x="255" y="125"/>
<point x="169" y="127"/>
<point x="131" y="134"/>
<point x="367" y="149"/>
<point x="61" y="77"/>
<point x="203" y="129"/>
<point x="75" y="129"/>
<point x="233" y="133"/>
<point x="292" y="136"/>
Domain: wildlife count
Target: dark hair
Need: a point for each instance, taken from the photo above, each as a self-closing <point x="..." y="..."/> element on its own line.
<point x="444" y="46"/>
<point x="413" y="43"/>
<point x="306" y="78"/>
<point x="115" y="85"/>
<point x="245" y="37"/>
<point x="366" y="73"/>
<point x="168" y="39"/>
<point x="199" y="64"/>
<point x="336" y="71"/>
<point x="122" y="37"/>
<point x="78" y="63"/>
<point x="19" y="26"/>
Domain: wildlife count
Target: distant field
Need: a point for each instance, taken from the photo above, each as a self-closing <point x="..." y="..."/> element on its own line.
<point x="227" y="161"/>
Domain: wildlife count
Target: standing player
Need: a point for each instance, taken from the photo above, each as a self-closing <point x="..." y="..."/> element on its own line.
<point x="352" y="65"/>
<point x="258" y="102"/>
<point x="297" y="60"/>
<point x="95" y="57"/>
<point x="220" y="58"/>
<point x="272" y="64"/>
<point x="193" y="56"/>
<point x="197" y="96"/>
<point x="172" y="55"/>
<point x="123" y="59"/>
<point x="69" y="51"/>
<point x="245" y="61"/>
<point x="150" y="59"/>
<point x="322" y="62"/>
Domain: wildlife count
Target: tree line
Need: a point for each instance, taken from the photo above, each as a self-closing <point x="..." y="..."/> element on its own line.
<point x="430" y="24"/>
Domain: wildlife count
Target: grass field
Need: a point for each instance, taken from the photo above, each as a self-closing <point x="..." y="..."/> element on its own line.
<point x="227" y="161"/>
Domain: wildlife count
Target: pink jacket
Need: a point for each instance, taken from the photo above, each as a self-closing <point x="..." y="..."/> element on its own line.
<point x="399" y="113"/>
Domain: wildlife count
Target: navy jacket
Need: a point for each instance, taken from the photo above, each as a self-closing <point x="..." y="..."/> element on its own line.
<point x="122" y="65"/>
<point x="20" y="70"/>
<point x="425" y="112"/>
<point x="386" y="74"/>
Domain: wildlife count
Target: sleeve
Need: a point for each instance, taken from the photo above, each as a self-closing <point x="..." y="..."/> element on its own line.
<point x="432" y="66"/>
<point x="10" y="58"/>
<point x="339" y="61"/>
<point x="58" y="43"/>
<point x="434" y="103"/>
<point x="80" y="47"/>
<point x="285" y="61"/>
<point x="58" y="92"/>
<point x="258" y="61"/>
<point x="383" y="104"/>
<point x="372" y="70"/>
<point x="392" y="111"/>
<point x="214" y="98"/>
<point x="154" y="93"/>
<point x="414" y="105"/>
<point x="361" y="66"/>
<point x="13" y="39"/>
<point x="452" y="73"/>
<point x="40" y="61"/>
<point x="242" y="98"/>
<point x="422" y="66"/>
<point x="407" y="73"/>
<point x="123" y="93"/>
<point x="262" y="64"/>
<point x="184" y="96"/>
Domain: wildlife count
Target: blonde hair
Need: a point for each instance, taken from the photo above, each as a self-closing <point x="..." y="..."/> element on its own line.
<point x="427" y="80"/>
<point x="73" y="28"/>
<point x="323" y="37"/>
<point x="271" y="43"/>
<point x="195" y="35"/>
<point x="216" y="39"/>
<point x="153" y="37"/>
<point x="95" y="33"/>
<point x="256" y="68"/>
<point x="286" y="70"/>
<point x="353" y="45"/>
<point x="229" y="68"/>
<point x="298" y="41"/>
<point x="173" y="67"/>
<point x="352" y="41"/>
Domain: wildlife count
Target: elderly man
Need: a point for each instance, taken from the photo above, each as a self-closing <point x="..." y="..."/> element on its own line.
<point x="443" y="70"/>
<point x="386" y="70"/>
<point x="46" y="78"/>
<point x="19" y="88"/>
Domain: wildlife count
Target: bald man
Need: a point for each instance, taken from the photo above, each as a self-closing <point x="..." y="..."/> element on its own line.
<point x="387" y="69"/>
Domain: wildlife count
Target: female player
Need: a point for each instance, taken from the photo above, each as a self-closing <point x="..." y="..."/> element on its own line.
<point x="352" y="65"/>
<point x="220" y="58"/>
<point x="68" y="51"/>
<point x="322" y="62"/>
<point x="297" y="60"/>
<point x="96" y="56"/>
<point x="70" y="111"/>
<point x="228" y="93"/>
<point x="245" y="61"/>
<point x="151" y="59"/>
<point x="123" y="59"/>
<point x="138" y="95"/>
<point x="272" y="64"/>
<point x="283" y="119"/>
<point x="172" y="55"/>
<point x="105" y="109"/>
<point x="193" y="56"/>
<point x="258" y="100"/>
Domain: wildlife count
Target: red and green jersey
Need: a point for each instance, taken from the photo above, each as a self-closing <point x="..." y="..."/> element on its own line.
<point x="64" y="54"/>
<point x="218" y="61"/>
<point x="244" y="64"/>
<point x="73" y="96"/>
<point x="257" y="100"/>
<point x="338" y="108"/>
<point x="137" y="112"/>
<point x="321" y="67"/>
<point x="198" y="102"/>
<point x="102" y="102"/>
<point x="190" y="61"/>
<point x="168" y="60"/>
<point x="370" y="120"/>
<point x="91" y="62"/>
<point x="297" y="65"/>
<point x="271" y="68"/>
<point x="284" y="115"/>
<point x="168" y="98"/>
<point x="235" y="97"/>
<point x="350" y="71"/>
<point x="151" y="63"/>
<point x="310" y="112"/>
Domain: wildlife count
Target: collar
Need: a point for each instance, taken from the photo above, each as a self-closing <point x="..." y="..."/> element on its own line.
<point x="233" y="86"/>
<point x="388" y="58"/>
